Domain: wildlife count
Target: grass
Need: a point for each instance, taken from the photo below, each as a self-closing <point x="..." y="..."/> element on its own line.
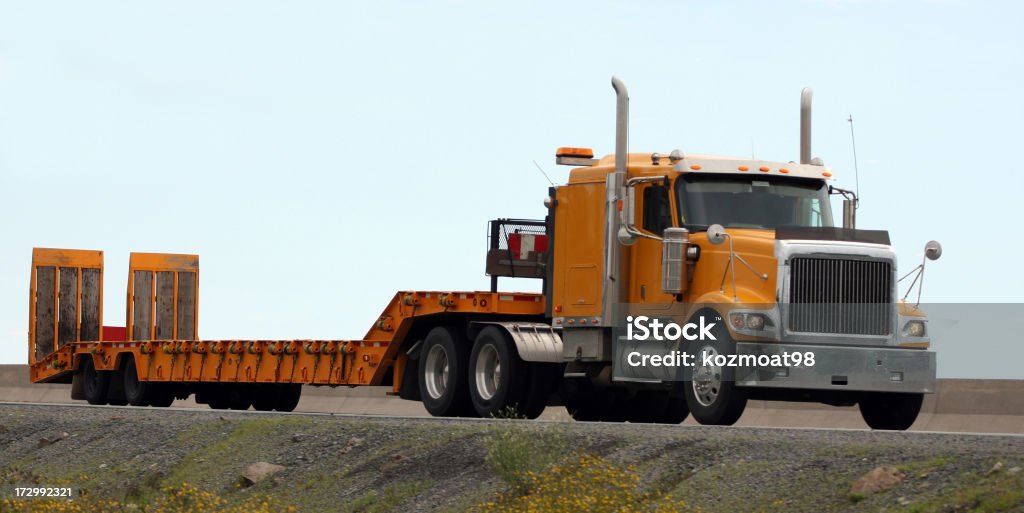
<point x="979" y="493"/>
<point x="587" y="483"/>
<point x="204" y="464"/>
<point x="515" y="454"/>
<point x="389" y="499"/>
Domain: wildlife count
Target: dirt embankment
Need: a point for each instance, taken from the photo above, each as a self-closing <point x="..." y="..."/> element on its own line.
<point x="334" y="463"/>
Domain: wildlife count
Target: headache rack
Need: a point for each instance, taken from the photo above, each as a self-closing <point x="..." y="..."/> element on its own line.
<point x="517" y="248"/>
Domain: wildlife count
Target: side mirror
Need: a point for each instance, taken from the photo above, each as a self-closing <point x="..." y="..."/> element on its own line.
<point x="716" y="234"/>
<point x="933" y="250"/>
<point x="627" y="216"/>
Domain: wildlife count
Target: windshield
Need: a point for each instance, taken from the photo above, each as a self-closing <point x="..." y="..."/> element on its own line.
<point x="752" y="202"/>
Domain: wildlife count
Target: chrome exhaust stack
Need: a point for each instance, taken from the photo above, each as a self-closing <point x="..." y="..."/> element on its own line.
<point x="615" y="194"/>
<point x="805" y="125"/>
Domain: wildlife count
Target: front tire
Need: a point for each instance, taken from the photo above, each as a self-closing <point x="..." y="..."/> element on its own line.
<point x="711" y="394"/>
<point x="443" y="373"/>
<point x="892" y="411"/>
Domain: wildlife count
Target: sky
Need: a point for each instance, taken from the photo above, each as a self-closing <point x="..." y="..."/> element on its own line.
<point x="320" y="156"/>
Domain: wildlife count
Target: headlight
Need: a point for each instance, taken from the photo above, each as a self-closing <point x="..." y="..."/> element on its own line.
<point x="914" y="329"/>
<point x="741" y="321"/>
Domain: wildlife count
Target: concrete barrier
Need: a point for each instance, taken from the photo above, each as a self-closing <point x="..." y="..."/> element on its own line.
<point x="962" y="405"/>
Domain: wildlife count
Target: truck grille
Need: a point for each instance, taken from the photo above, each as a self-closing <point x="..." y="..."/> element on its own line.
<point x="832" y="295"/>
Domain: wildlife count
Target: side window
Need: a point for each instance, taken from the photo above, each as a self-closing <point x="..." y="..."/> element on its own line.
<point x="657" y="214"/>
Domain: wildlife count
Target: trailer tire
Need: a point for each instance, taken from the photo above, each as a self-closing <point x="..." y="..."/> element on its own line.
<point x="115" y="390"/>
<point x="160" y="395"/>
<point x="94" y="383"/>
<point x="711" y="393"/>
<point x="444" y="374"/>
<point x="891" y="411"/>
<point x="136" y="392"/>
<point x="239" y="397"/>
<point x="288" y="397"/>
<point x="265" y="397"/>
<point x="217" y="397"/>
<point x="498" y="378"/>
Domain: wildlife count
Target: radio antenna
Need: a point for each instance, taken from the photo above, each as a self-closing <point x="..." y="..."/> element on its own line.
<point x="856" y="171"/>
<point x="543" y="173"/>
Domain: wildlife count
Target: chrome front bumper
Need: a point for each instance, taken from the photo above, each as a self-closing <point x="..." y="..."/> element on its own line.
<point x="874" y="369"/>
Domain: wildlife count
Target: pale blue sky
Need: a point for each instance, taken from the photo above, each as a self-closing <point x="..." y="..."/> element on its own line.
<point x="320" y="156"/>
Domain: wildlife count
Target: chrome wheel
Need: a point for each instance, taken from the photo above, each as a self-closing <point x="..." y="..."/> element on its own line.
<point x="436" y="371"/>
<point x="707" y="379"/>
<point x="488" y="372"/>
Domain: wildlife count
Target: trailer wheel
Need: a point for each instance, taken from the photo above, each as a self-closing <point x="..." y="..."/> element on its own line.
<point x="217" y="397"/>
<point x="893" y="411"/>
<point x="135" y="392"/>
<point x="115" y="388"/>
<point x="160" y="395"/>
<point x="443" y="373"/>
<point x="498" y="378"/>
<point x="265" y="397"/>
<point x="238" y="397"/>
<point x="95" y="383"/>
<point x="712" y="394"/>
<point x="288" y="397"/>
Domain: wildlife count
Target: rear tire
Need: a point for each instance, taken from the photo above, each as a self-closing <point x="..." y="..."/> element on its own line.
<point x="892" y="411"/>
<point x="443" y="373"/>
<point x="95" y="383"/>
<point x="498" y="378"/>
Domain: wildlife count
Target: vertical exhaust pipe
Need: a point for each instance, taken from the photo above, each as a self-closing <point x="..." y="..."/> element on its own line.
<point x="615" y="192"/>
<point x="621" y="127"/>
<point x="624" y="204"/>
<point x="805" y="125"/>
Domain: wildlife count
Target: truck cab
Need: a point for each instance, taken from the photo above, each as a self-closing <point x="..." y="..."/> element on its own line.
<point x="757" y="253"/>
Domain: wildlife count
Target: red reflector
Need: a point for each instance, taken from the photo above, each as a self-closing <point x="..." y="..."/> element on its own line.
<point x="522" y="244"/>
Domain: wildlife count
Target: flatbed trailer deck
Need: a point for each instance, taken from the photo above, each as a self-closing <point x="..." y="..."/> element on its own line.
<point x="160" y="302"/>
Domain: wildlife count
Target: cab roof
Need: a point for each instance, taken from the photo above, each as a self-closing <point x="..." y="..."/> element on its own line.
<point x="657" y="164"/>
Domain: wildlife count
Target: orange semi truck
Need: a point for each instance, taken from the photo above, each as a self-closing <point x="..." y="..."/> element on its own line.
<point x="747" y="246"/>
